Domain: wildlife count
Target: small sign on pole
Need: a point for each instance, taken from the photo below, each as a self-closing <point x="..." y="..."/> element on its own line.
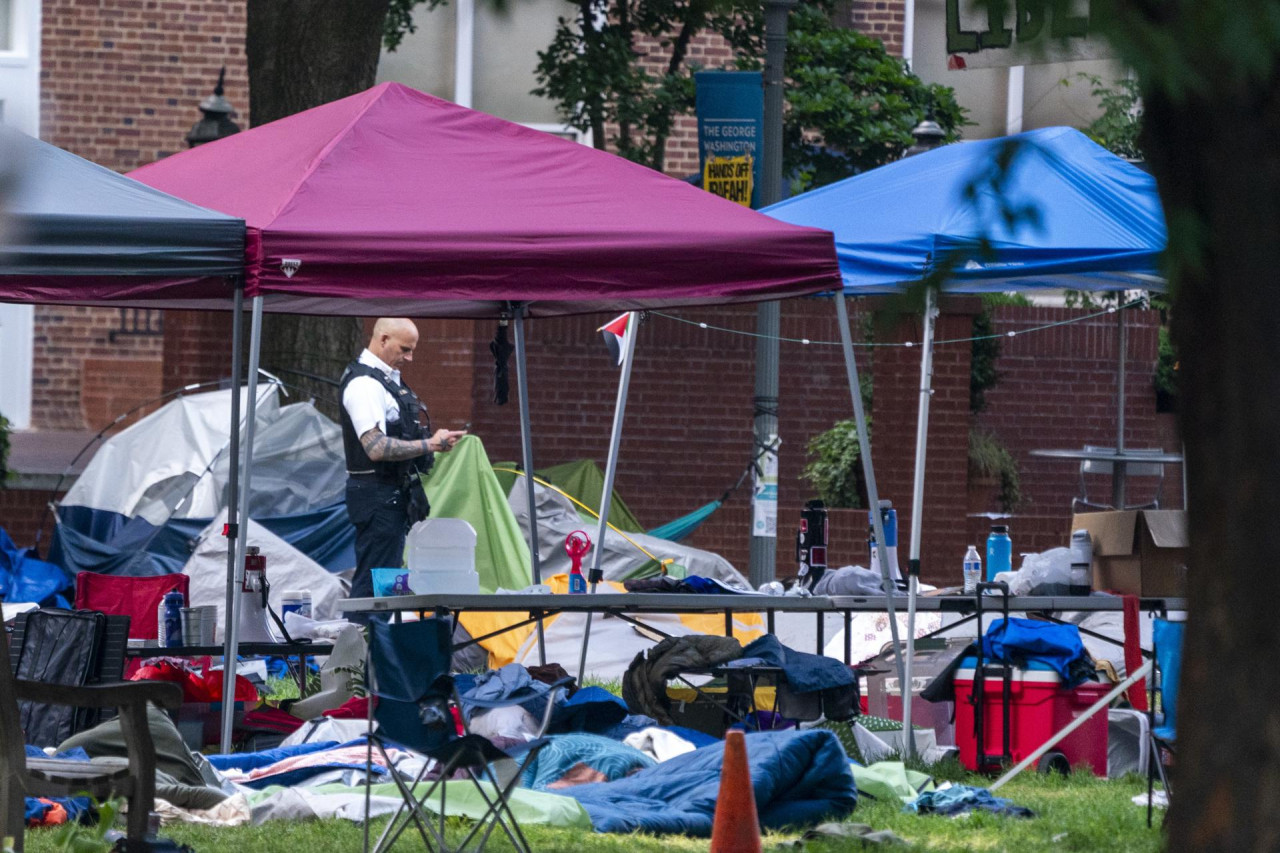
<point x="731" y="133"/>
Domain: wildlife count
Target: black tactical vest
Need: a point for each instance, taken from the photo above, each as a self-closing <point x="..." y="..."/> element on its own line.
<point x="408" y="427"/>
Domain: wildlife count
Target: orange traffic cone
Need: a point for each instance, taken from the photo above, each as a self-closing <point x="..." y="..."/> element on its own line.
<point x="736" y="828"/>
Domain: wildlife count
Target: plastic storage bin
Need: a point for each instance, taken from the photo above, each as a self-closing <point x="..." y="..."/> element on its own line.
<point x="441" y="557"/>
<point x="1039" y="708"/>
<point x="884" y="690"/>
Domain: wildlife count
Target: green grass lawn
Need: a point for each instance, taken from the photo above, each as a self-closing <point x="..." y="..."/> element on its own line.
<point x="1076" y="813"/>
<point x="1079" y="812"/>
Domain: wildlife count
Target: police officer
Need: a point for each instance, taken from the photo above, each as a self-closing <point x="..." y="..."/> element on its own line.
<point x="386" y="449"/>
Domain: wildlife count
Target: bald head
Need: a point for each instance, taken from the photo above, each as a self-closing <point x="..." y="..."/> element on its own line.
<point x="393" y="340"/>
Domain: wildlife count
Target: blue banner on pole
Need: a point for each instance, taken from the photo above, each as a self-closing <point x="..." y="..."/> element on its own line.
<point x="731" y="133"/>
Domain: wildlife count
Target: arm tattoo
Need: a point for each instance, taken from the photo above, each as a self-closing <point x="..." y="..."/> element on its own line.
<point x="384" y="449"/>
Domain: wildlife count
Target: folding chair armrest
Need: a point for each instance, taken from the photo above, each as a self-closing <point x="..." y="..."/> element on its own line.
<point x="551" y="705"/>
<point x="124" y="694"/>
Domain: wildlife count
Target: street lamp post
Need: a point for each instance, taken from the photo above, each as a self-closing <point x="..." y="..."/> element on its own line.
<point x="216" y="121"/>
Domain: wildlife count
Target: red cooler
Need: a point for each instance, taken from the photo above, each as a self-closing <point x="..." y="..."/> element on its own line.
<point x="1039" y="708"/>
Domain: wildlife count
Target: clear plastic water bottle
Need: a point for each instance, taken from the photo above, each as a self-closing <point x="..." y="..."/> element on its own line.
<point x="999" y="551"/>
<point x="972" y="570"/>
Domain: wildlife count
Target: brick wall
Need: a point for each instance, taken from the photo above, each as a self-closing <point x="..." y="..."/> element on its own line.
<point x="895" y="405"/>
<point x="119" y="85"/>
<point x="687" y="434"/>
<point x="1057" y="389"/>
<point x="197" y="347"/>
<point x="883" y="19"/>
<point x="23" y="513"/>
<point x="81" y="378"/>
<point x="120" y="80"/>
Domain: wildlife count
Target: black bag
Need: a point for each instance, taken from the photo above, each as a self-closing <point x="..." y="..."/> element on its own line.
<point x="417" y="507"/>
<point x="58" y="647"/>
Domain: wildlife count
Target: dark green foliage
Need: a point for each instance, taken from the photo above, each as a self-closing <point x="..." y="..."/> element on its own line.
<point x="850" y="105"/>
<point x="1166" y="375"/>
<point x="986" y="348"/>
<point x="835" y="468"/>
<point x="989" y="458"/>
<point x="1120" y="124"/>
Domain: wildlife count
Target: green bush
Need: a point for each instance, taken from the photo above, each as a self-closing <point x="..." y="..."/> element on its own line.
<point x="835" y="468"/>
<point x="989" y="458"/>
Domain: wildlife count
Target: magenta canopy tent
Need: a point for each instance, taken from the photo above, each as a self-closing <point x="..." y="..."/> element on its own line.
<point x="394" y="200"/>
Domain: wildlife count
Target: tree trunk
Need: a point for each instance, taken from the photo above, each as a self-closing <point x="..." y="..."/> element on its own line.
<point x="301" y="54"/>
<point x="1213" y="155"/>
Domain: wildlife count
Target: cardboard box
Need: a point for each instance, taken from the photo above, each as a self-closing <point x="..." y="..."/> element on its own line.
<point x="1138" y="552"/>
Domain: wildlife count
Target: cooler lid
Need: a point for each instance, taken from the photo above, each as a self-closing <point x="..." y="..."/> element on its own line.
<point x="1033" y="671"/>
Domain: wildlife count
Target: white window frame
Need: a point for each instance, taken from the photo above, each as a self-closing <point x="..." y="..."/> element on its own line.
<point x="580" y="136"/>
<point x="20" y="69"/>
<point x="20" y="102"/>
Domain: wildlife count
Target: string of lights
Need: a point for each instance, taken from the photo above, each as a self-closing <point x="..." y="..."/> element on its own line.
<point x="1013" y="333"/>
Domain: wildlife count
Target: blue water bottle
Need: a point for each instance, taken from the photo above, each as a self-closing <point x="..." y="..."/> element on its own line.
<point x="999" y="551"/>
<point x="173" y="604"/>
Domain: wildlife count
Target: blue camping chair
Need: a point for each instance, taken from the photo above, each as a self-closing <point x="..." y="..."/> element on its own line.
<point x="408" y="674"/>
<point x="1167" y="641"/>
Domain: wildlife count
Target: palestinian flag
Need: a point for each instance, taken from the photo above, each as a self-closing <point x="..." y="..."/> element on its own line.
<point x="615" y="336"/>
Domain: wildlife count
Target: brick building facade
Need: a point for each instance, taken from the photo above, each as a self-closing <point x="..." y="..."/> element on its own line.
<point x="119" y="84"/>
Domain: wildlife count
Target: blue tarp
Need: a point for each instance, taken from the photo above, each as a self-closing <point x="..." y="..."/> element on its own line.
<point x="1097" y="222"/>
<point x="98" y="540"/>
<point x="25" y="578"/>
<point x="799" y="779"/>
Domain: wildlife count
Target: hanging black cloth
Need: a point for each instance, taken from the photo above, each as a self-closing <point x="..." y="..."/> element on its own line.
<point x="501" y="350"/>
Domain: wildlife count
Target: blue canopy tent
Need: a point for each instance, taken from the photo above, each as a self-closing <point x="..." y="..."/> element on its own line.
<point x="1093" y="222"/>
<point x="1046" y="209"/>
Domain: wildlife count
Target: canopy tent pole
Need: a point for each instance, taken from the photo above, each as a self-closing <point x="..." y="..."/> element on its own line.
<point x="526" y="452"/>
<point x="917" y="505"/>
<point x="231" y="633"/>
<point x="233" y="491"/>
<point x="610" y="471"/>
<point x="868" y="472"/>
<point x="1122" y="345"/>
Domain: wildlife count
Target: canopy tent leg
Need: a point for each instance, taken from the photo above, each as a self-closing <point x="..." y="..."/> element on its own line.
<point x="233" y="491"/>
<point x="231" y="634"/>
<point x="526" y="452"/>
<point x="610" y="471"/>
<point x="864" y="450"/>
<point x="917" y="505"/>
<point x="1122" y="346"/>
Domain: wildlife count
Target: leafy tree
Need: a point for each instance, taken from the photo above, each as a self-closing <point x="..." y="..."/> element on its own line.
<point x="850" y="105"/>
<point x="1119" y="125"/>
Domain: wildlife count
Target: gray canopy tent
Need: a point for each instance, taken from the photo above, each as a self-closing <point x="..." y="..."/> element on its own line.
<point x="75" y="232"/>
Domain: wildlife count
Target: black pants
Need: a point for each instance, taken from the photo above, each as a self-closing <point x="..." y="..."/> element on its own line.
<point x="377" y="509"/>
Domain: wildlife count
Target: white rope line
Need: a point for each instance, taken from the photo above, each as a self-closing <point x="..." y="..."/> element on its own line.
<point x="907" y="344"/>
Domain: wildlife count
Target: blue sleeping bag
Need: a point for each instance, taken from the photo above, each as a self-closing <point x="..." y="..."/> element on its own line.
<point x="800" y="778"/>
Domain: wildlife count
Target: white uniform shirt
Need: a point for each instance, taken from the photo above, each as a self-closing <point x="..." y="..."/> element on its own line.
<point x="367" y="402"/>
